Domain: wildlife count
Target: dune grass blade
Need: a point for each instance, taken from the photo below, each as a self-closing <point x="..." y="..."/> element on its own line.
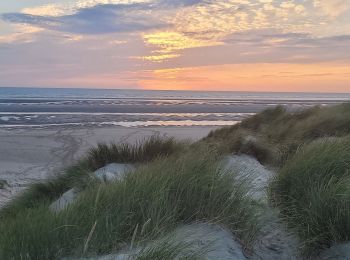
<point x="313" y="192"/>
<point x="143" y="151"/>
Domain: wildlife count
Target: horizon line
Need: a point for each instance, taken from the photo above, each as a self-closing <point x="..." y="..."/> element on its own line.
<point x="174" y="90"/>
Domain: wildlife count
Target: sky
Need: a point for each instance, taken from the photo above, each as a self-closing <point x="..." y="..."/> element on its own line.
<point x="238" y="45"/>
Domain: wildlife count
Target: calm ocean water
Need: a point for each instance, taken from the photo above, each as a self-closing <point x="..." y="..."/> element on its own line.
<point x="35" y="107"/>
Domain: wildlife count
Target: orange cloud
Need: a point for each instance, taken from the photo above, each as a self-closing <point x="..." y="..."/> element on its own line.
<point x="254" y="77"/>
<point x="168" y="44"/>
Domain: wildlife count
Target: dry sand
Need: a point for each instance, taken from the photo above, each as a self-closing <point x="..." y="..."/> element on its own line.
<point x="31" y="155"/>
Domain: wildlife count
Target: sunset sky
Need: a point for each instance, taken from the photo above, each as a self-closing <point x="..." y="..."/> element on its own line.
<point x="245" y="45"/>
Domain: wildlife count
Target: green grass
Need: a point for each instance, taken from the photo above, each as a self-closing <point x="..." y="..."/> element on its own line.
<point x="179" y="183"/>
<point x="144" y="151"/>
<point x="80" y="175"/>
<point x="38" y="193"/>
<point x="313" y="192"/>
<point x="279" y="133"/>
<point x="312" y="149"/>
<point x="147" y="204"/>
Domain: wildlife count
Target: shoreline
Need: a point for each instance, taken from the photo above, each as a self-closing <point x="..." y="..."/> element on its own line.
<point x="29" y="155"/>
<point x="129" y="125"/>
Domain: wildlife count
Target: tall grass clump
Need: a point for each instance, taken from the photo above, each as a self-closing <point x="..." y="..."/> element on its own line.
<point x="146" y="205"/>
<point x="143" y="151"/>
<point x="279" y="133"/>
<point x="80" y="175"/>
<point x="313" y="192"/>
<point x="49" y="190"/>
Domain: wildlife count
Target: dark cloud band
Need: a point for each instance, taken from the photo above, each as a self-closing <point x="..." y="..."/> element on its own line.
<point x="100" y="19"/>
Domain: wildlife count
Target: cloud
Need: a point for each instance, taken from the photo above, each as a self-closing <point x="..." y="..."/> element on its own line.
<point x="275" y="39"/>
<point x="49" y="10"/>
<point x="333" y="8"/>
<point x="169" y="44"/>
<point x="98" y="19"/>
<point x="23" y="33"/>
<point x="179" y="3"/>
<point x="254" y="77"/>
<point x="94" y="20"/>
<point x="51" y="58"/>
<point x="216" y="19"/>
<point x="267" y="46"/>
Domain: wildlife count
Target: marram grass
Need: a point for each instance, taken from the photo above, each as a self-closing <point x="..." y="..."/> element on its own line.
<point x="313" y="192"/>
<point x="80" y="175"/>
<point x="143" y="151"/>
<point x="179" y="183"/>
<point x="279" y="133"/>
<point x="148" y="204"/>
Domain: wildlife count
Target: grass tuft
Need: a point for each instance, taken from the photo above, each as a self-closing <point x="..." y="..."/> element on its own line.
<point x="39" y="193"/>
<point x="79" y="175"/>
<point x="144" y="151"/>
<point x="279" y="133"/>
<point x="313" y="192"/>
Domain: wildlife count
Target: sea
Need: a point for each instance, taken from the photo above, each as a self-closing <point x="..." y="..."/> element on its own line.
<point x="55" y="107"/>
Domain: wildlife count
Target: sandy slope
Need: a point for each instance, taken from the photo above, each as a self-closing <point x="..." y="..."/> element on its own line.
<point x="29" y="155"/>
<point x="274" y="241"/>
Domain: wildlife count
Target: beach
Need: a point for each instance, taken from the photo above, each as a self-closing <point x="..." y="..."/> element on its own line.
<point x="129" y="182"/>
<point x="30" y="155"/>
<point x="166" y="130"/>
<point x="34" y="107"/>
<point x="42" y="131"/>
